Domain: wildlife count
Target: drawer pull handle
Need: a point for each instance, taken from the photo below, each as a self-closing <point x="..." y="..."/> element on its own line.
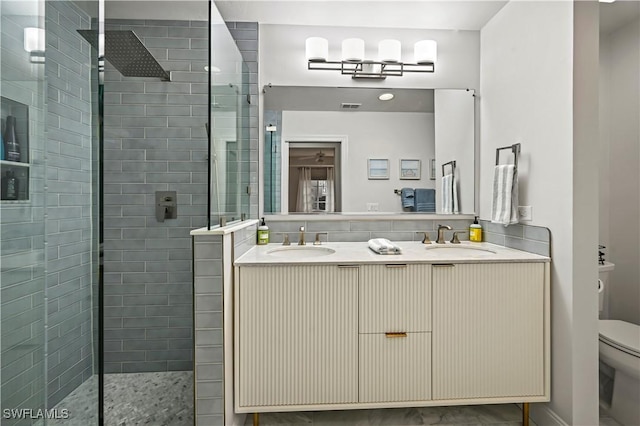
<point x="348" y="266"/>
<point x="443" y="265"/>
<point x="396" y="265"/>
<point x="391" y="335"/>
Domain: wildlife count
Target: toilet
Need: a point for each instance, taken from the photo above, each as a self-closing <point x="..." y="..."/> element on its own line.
<point x="619" y="348"/>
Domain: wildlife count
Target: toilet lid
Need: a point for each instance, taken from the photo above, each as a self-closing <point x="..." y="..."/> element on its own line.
<point x="621" y="333"/>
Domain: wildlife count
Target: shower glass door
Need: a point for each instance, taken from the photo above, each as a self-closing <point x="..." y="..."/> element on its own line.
<point x="228" y="127"/>
<point x="22" y="215"/>
<point x="49" y="214"/>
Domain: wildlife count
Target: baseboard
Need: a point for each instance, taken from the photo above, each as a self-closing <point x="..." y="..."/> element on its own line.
<point x="542" y="415"/>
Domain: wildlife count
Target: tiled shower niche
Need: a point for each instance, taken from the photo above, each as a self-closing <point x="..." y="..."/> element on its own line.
<point x="18" y="169"/>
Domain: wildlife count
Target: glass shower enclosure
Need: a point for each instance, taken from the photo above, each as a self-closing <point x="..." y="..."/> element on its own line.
<point x="229" y="133"/>
<point x="49" y="210"/>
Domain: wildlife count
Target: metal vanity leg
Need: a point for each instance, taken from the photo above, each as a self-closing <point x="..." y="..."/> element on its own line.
<point x="256" y="419"/>
<point x="525" y="414"/>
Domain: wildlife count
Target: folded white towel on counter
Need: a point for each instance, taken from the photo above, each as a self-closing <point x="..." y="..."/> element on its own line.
<point x="505" y="195"/>
<point x="384" y="246"/>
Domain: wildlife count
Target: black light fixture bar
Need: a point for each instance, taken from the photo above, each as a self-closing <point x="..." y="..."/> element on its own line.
<point x="371" y="69"/>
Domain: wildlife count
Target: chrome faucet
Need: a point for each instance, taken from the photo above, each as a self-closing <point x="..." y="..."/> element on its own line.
<point x="441" y="229"/>
<point x="301" y="238"/>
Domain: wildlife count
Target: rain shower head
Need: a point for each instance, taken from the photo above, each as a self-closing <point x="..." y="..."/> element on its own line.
<point x="124" y="50"/>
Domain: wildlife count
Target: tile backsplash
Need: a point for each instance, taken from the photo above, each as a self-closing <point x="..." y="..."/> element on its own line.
<point x="534" y="239"/>
<point x="365" y="229"/>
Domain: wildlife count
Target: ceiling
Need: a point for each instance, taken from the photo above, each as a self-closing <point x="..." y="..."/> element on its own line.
<point x="618" y="14"/>
<point x="432" y="14"/>
<point x="452" y="14"/>
<point x="446" y="15"/>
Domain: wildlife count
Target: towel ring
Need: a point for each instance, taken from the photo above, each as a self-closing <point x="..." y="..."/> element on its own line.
<point x="515" y="148"/>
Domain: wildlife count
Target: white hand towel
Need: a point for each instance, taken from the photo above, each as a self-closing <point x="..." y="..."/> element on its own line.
<point x="447" y="195"/>
<point x="383" y="246"/>
<point x="454" y="191"/>
<point x="505" y="195"/>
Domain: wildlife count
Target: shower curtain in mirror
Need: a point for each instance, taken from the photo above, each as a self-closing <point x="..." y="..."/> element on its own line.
<point x="304" y="202"/>
<point x="315" y="197"/>
<point x="330" y="190"/>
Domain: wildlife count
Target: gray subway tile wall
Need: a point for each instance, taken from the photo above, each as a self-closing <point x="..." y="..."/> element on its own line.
<point x="155" y="142"/>
<point x="208" y="314"/>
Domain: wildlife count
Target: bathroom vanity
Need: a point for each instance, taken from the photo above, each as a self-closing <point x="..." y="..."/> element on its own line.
<point x="337" y="326"/>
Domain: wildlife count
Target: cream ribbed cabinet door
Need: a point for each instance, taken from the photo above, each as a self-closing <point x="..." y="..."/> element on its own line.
<point x="298" y="335"/>
<point x="488" y="330"/>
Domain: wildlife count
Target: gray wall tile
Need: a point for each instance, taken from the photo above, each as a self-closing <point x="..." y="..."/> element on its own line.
<point x="154" y="143"/>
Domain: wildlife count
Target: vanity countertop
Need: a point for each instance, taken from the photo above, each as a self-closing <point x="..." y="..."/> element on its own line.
<point x="350" y="253"/>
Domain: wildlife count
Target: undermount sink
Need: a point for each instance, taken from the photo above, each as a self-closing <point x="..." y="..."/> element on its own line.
<point x="301" y="251"/>
<point x="460" y="250"/>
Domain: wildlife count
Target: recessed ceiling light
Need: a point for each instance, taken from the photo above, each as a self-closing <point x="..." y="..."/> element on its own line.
<point x="607" y="1"/>
<point x="386" y="96"/>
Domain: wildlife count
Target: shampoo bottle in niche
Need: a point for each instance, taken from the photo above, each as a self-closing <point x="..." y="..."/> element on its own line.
<point x="475" y="231"/>
<point x="11" y="144"/>
<point x="263" y="233"/>
<point x="10" y="186"/>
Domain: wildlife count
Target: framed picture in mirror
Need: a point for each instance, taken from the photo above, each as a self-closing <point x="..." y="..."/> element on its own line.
<point x="409" y="169"/>
<point x="432" y="171"/>
<point x="378" y="168"/>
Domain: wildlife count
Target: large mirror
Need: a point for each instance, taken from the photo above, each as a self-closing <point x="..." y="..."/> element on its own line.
<point x="348" y="150"/>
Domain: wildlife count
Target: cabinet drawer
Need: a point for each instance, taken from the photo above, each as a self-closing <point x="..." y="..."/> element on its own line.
<point x="395" y="368"/>
<point x="395" y="298"/>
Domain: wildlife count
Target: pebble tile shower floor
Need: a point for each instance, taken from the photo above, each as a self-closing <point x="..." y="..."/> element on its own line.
<point x="166" y="399"/>
<point x="154" y="399"/>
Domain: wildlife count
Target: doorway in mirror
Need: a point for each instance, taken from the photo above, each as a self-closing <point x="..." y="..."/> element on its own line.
<point x="313" y="179"/>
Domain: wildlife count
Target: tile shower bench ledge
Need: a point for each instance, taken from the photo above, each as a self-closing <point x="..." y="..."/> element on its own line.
<point x="412" y="252"/>
<point x="224" y="230"/>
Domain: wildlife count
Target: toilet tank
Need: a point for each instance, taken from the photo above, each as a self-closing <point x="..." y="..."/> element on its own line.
<point x="603" y="294"/>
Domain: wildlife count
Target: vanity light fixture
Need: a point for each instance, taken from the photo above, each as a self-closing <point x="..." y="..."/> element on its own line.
<point x="34" y="44"/>
<point x="389" y="51"/>
<point x="386" y="96"/>
<point x="317" y="49"/>
<point x="354" y="63"/>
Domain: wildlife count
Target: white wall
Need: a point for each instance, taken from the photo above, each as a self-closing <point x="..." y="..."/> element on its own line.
<point x="370" y="135"/>
<point x="527" y="95"/>
<point x="282" y="56"/>
<point x="620" y="147"/>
